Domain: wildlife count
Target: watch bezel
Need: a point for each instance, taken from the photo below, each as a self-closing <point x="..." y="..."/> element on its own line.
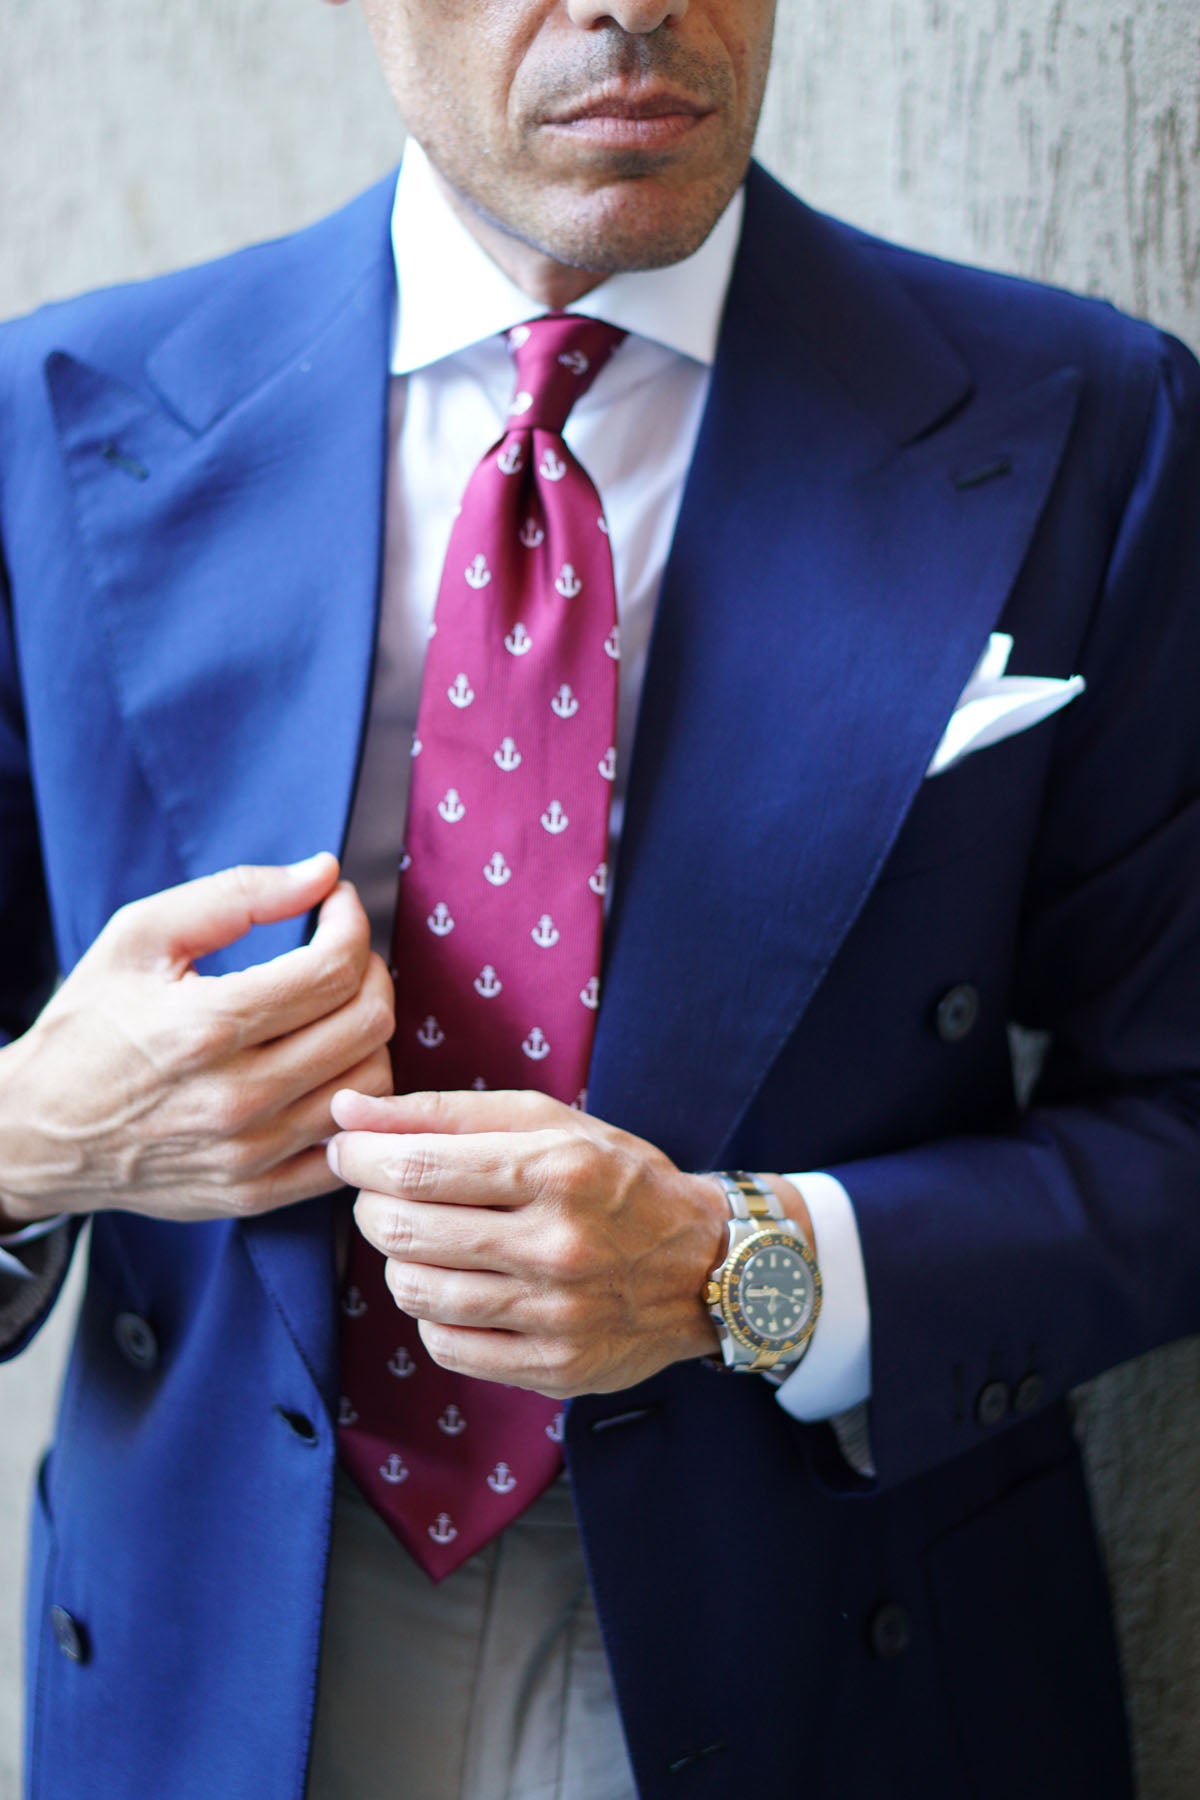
<point x="735" y="1320"/>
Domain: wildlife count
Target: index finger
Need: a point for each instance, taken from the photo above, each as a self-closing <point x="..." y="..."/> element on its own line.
<point x="485" y="1169"/>
<point x="275" y="998"/>
<point x="451" y="1110"/>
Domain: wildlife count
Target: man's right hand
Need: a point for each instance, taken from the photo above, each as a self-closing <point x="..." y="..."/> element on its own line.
<point x="147" y="1087"/>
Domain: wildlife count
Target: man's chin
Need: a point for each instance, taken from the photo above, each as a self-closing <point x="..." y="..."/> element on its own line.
<point x="623" y="225"/>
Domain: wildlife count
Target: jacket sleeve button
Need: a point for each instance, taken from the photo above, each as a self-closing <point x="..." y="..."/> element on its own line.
<point x="69" y="1634"/>
<point x="889" y="1632"/>
<point x="957" y="1013"/>
<point x="993" y="1403"/>
<point x="136" y="1340"/>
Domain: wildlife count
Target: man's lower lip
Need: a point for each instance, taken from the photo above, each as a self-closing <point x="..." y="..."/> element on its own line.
<point x="613" y="132"/>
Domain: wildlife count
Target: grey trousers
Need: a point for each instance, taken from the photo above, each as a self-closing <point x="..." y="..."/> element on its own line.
<point x="491" y="1686"/>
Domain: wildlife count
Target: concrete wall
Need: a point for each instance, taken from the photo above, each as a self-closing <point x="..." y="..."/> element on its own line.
<point x="1059" y="138"/>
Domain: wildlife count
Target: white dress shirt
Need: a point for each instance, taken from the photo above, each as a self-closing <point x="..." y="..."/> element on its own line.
<point x="634" y="431"/>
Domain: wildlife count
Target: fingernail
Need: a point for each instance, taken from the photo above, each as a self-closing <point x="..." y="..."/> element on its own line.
<point x="331" y="1156"/>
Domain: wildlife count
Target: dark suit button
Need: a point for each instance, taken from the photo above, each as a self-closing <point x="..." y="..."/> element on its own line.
<point x="300" y="1423"/>
<point x="993" y="1402"/>
<point x="69" y="1634"/>
<point x="889" y="1632"/>
<point x="957" y="1013"/>
<point x="1030" y="1393"/>
<point x="135" y="1340"/>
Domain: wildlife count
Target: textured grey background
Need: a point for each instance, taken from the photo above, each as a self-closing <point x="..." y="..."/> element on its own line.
<point x="1057" y="138"/>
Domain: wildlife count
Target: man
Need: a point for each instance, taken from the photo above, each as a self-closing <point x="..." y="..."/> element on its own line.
<point x="853" y="848"/>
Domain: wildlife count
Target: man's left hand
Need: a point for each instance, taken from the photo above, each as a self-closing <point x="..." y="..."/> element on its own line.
<point x="534" y="1244"/>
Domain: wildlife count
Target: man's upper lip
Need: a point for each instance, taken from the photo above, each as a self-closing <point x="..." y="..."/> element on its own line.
<point x="615" y="103"/>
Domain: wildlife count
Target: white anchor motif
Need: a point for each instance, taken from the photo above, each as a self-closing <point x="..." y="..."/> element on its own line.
<point x="510" y="460"/>
<point x="545" y="933"/>
<point x="564" y="703"/>
<point x="346" y="1412"/>
<point x="598" y="879"/>
<point x="518" y="642"/>
<point x="395" y="1469"/>
<point x="568" y="583"/>
<point x="576" y="361"/>
<point x="531" y="534"/>
<point x="521" y="403"/>
<point x="442" y="1531"/>
<point x="497" y="870"/>
<point x="519" y="336"/>
<point x="602" y="523"/>
<point x="452" y="1421"/>
<point x="431" y="1034"/>
<point x="590" y="995"/>
<point x="554" y="1430"/>
<point x="478" y="574"/>
<point x="554" y="819"/>
<point x="612" y="644"/>
<point x="416" y="746"/>
<point x="552" y="467"/>
<point x="405" y="863"/>
<point x="487" y="983"/>
<point x="502" y="1480"/>
<point x="608" y="764"/>
<point x="462" y="693"/>
<point x="353" y="1304"/>
<point x="401" y="1364"/>
<point x="451" y="806"/>
<point x="535" y="1046"/>
<point x="507" y="757"/>
<point x="439" y="920"/>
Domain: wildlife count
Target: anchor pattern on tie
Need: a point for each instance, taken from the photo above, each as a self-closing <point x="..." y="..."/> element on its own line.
<point x="499" y="915"/>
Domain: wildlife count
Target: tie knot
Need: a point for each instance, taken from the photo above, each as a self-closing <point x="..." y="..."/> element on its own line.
<point x="558" y="357"/>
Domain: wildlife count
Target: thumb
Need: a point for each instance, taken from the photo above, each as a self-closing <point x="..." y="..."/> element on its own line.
<point x="183" y="923"/>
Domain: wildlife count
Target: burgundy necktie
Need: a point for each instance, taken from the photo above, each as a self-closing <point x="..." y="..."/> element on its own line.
<point x="496" y="950"/>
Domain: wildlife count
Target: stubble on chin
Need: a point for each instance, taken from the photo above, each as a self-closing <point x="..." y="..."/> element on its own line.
<point x="609" y="212"/>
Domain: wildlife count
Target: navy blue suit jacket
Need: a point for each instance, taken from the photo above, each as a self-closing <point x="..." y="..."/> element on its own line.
<point x="898" y="457"/>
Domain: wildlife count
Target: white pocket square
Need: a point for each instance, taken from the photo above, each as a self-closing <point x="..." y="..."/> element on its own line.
<point x="994" y="705"/>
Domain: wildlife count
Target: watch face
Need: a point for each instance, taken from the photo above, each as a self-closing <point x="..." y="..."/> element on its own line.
<point x="774" y="1294"/>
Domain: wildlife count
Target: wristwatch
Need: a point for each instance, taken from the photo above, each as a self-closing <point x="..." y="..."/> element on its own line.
<point x="765" y="1296"/>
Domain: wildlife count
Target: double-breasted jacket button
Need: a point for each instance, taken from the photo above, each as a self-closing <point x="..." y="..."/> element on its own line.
<point x="993" y="1402"/>
<point x="1029" y="1393"/>
<point x="136" y="1340"/>
<point x="69" y="1634"/>
<point x="889" y="1631"/>
<point x="957" y="1013"/>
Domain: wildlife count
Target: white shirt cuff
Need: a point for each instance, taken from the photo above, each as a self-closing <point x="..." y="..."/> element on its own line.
<point x="835" y="1374"/>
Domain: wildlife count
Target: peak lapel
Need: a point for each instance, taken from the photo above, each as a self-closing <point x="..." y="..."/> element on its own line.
<point x="231" y="519"/>
<point x="828" y="594"/>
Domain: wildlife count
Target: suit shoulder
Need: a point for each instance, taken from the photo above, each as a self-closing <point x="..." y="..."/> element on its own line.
<point x="114" y="326"/>
<point x="1025" y="328"/>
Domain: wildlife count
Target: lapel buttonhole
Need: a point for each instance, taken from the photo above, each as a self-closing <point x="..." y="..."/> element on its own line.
<point x="973" y="478"/>
<point x="128" y="465"/>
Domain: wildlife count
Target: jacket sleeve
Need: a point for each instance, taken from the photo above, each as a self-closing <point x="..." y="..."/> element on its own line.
<point x="1002" y="1271"/>
<point x="27" y="970"/>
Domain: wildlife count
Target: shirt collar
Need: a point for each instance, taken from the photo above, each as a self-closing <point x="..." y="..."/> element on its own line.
<point x="451" y="293"/>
